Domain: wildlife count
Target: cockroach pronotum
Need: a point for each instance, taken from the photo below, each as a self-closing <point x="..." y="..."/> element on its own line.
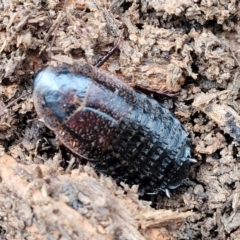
<point x="122" y="133"/>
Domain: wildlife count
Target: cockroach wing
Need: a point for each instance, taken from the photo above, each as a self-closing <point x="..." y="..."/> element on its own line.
<point x="83" y="113"/>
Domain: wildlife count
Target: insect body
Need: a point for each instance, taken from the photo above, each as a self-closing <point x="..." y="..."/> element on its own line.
<point x="123" y="133"/>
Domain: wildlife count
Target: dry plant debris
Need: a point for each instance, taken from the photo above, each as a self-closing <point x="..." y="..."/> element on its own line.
<point x="188" y="46"/>
<point x="38" y="201"/>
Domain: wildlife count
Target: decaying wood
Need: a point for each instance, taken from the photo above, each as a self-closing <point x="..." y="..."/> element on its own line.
<point x="225" y="116"/>
<point x="46" y="204"/>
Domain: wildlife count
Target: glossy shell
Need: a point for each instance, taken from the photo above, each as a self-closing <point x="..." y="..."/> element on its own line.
<point x="123" y="133"/>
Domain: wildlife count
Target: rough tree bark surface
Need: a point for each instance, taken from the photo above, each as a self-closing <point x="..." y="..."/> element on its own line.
<point x="187" y="46"/>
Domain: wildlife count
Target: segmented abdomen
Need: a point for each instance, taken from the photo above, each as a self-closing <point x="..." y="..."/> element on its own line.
<point x="150" y="148"/>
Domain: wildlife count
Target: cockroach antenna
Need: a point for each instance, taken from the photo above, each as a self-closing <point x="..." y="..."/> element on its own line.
<point x="110" y="52"/>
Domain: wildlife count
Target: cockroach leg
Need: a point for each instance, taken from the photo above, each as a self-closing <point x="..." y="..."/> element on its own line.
<point x="71" y="163"/>
<point x="66" y="157"/>
<point x="167" y="192"/>
<point x="192" y="160"/>
<point x="64" y="154"/>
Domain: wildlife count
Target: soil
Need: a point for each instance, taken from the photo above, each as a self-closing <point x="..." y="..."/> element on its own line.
<point x="191" y="47"/>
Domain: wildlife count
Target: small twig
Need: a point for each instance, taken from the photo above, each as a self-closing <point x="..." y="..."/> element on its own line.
<point x="12" y="103"/>
<point x="54" y="28"/>
<point x="234" y="56"/>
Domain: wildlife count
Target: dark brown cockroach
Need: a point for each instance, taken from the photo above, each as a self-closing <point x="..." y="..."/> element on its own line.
<point x="123" y="133"/>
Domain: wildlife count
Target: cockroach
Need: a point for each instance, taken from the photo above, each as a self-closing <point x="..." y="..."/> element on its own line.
<point x="121" y="132"/>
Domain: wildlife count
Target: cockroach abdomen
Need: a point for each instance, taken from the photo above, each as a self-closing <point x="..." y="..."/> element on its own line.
<point x="123" y="133"/>
<point x="153" y="148"/>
